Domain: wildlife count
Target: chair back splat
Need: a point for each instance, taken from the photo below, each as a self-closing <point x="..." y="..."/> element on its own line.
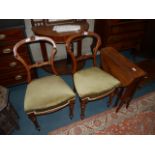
<point x="27" y="66"/>
<point x="87" y="55"/>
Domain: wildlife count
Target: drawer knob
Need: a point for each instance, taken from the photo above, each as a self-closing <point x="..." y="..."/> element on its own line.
<point x="13" y="64"/>
<point x="18" y="77"/>
<point x="7" y="50"/>
<point x="2" y="36"/>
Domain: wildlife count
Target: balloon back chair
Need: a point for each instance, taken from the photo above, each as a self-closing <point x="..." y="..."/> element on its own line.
<point x="90" y="83"/>
<point x="48" y="93"/>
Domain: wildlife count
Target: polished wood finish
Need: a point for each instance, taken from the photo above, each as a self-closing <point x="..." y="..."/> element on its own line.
<point x="71" y="108"/>
<point x="128" y="73"/>
<point x="12" y="72"/>
<point x="83" y="103"/>
<point x="121" y="34"/>
<point x="33" y="118"/>
<point x="91" y="55"/>
<point x="50" y="22"/>
<point x="123" y="69"/>
<point x="29" y="66"/>
<point x="11" y="35"/>
<point x="60" y="38"/>
<point x="86" y="56"/>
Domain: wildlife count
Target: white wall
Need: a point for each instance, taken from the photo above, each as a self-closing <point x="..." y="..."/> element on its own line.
<point x="61" y="54"/>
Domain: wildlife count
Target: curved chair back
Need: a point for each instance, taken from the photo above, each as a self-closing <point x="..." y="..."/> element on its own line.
<point x="28" y="67"/>
<point x="81" y="36"/>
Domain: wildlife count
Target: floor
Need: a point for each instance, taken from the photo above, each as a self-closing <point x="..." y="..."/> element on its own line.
<point x="61" y="118"/>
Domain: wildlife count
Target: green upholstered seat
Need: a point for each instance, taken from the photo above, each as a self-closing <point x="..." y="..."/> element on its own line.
<point x="94" y="81"/>
<point x="45" y="93"/>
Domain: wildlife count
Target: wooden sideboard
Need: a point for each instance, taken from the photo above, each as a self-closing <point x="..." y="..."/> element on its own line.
<point x="121" y="33"/>
<point x="11" y="71"/>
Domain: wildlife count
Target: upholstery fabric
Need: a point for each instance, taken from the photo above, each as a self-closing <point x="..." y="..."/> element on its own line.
<point x="3" y="97"/>
<point x="46" y="92"/>
<point x="94" y="81"/>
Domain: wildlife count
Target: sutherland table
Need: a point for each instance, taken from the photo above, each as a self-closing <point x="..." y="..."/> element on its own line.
<point x="128" y="73"/>
<point x="59" y="38"/>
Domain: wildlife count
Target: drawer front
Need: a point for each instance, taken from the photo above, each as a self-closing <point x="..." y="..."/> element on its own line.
<point x="8" y="50"/>
<point x="13" y="78"/>
<point x="125" y="44"/>
<point x="11" y="36"/>
<point x="130" y="27"/>
<point x="9" y="63"/>
<point x="128" y="36"/>
<point x="12" y="71"/>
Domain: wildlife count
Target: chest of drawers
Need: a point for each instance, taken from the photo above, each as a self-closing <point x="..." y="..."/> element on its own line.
<point x="121" y="33"/>
<point x="11" y="71"/>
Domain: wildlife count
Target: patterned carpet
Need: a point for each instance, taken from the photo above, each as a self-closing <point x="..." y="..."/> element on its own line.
<point x="138" y="119"/>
